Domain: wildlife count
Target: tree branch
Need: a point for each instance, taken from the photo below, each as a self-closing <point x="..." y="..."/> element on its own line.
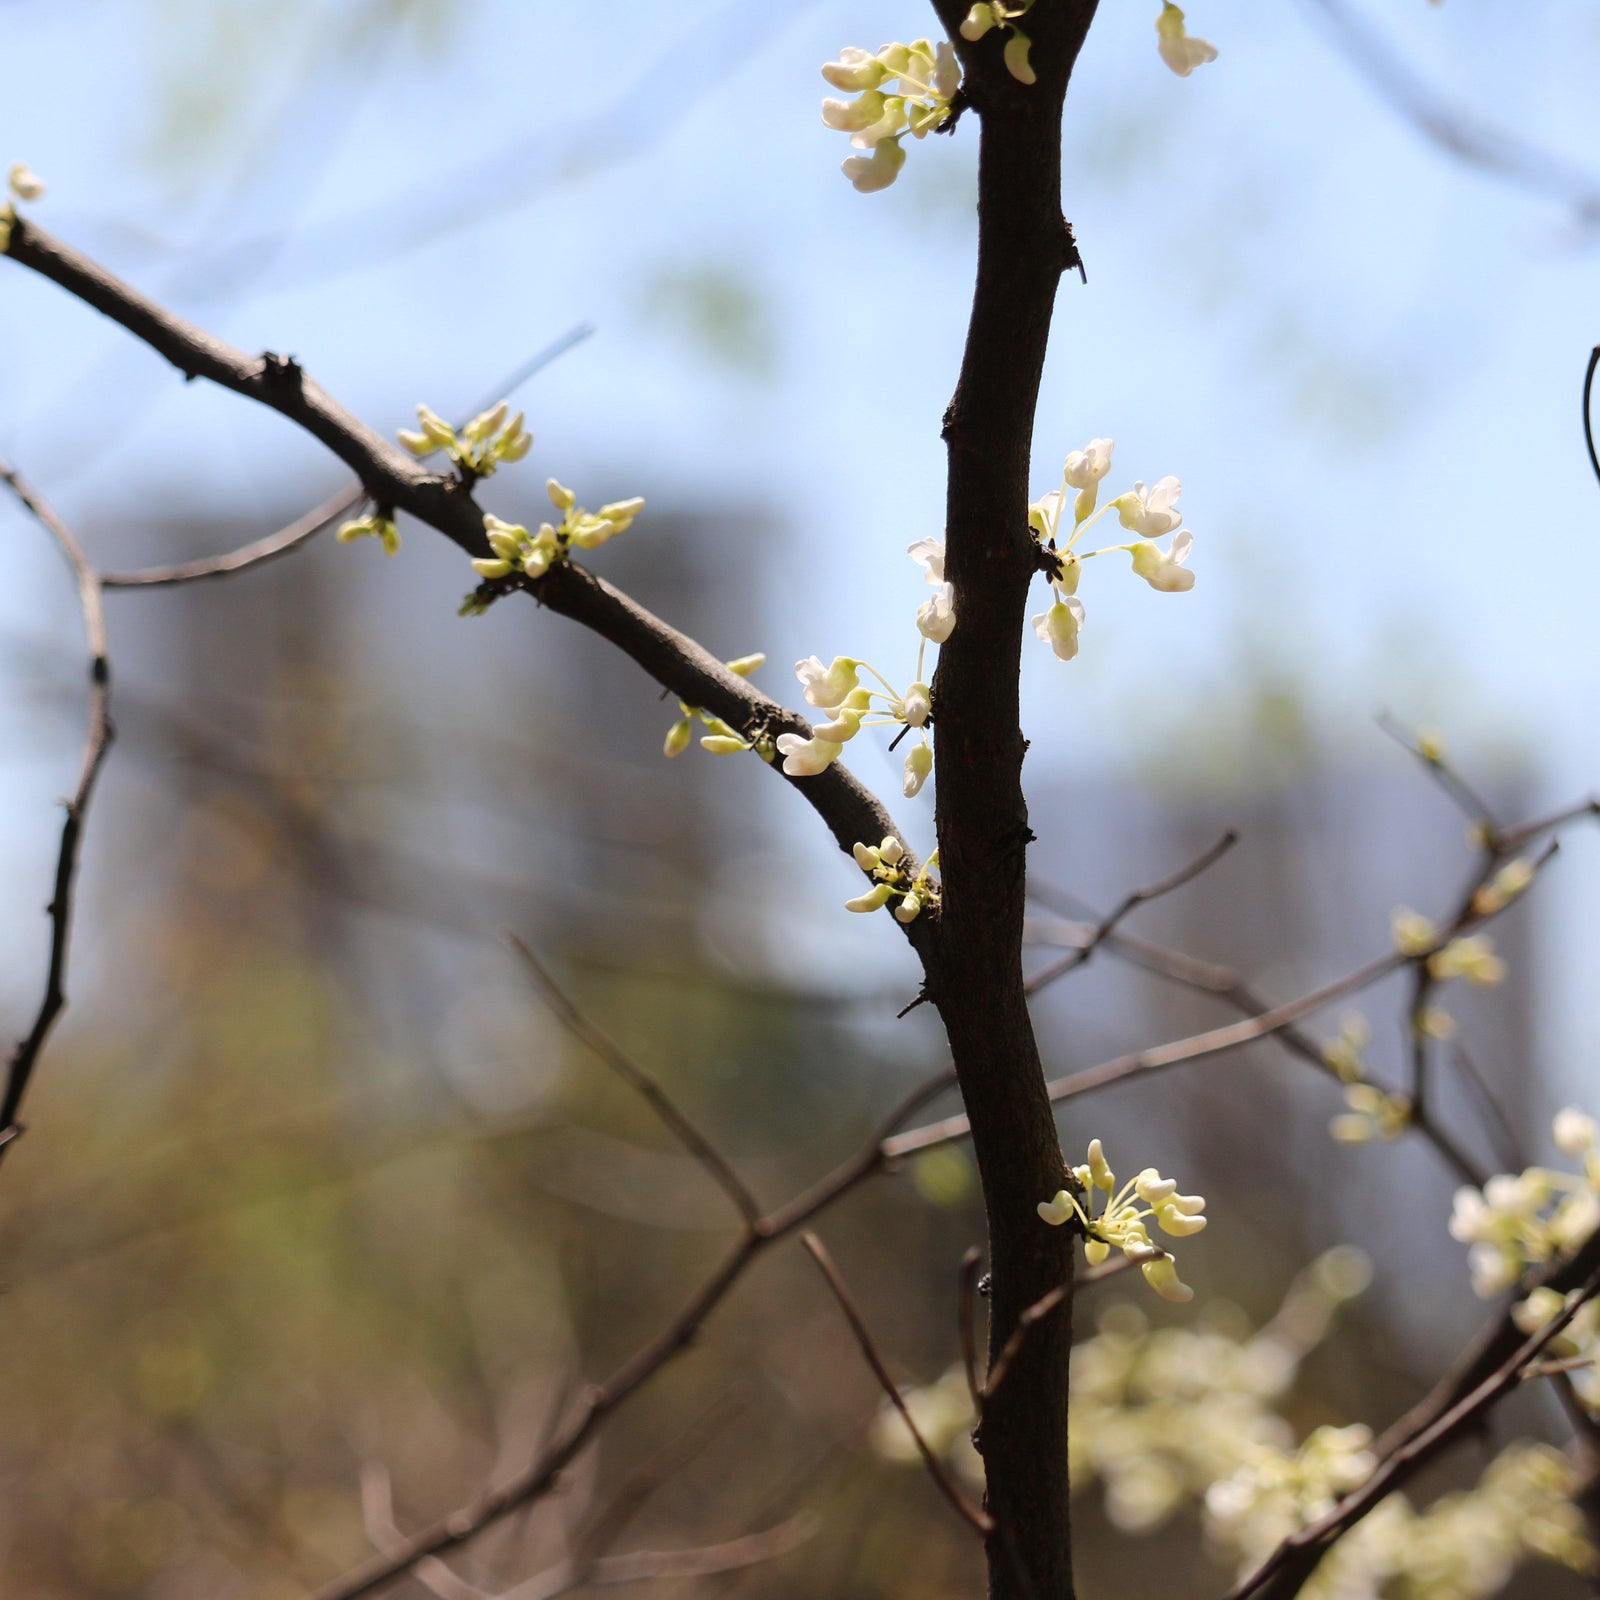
<point x="930" y="1459"/>
<point x="1401" y="1454"/>
<point x="97" y="742"/>
<point x="394" y="480"/>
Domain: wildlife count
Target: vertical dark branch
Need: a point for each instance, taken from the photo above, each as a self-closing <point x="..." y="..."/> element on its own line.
<point x="97" y="740"/>
<point x="1024" y="245"/>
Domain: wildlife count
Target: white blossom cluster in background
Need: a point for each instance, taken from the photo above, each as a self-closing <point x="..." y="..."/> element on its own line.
<point x="905" y="89"/>
<point x="1517" y="1222"/>
<point x="1175" y="1418"/>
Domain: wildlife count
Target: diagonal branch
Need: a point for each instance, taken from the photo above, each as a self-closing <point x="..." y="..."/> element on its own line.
<point x="937" y="1470"/>
<point x="1287" y="1569"/>
<point x="637" y="1566"/>
<point x="334" y="509"/>
<point x="1130" y="903"/>
<point x="97" y="741"/>
<point x="1491" y="149"/>
<point x="631" y="1073"/>
<point x="596" y="1404"/>
<point x="396" y="481"/>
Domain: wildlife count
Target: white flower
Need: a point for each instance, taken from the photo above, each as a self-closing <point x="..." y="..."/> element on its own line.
<point x="1086" y="467"/>
<point x="828" y="686"/>
<point x="805" y="758"/>
<point x="1016" y="57"/>
<point x="855" y="70"/>
<point x="877" y="171"/>
<point x="917" y="704"/>
<point x="919" y="763"/>
<point x="1165" y="570"/>
<point x="1179" y="49"/>
<point x="871" y="899"/>
<point x="936" y="616"/>
<point x="1058" y="627"/>
<point x="1151" y="512"/>
<point x="24" y="183"/>
<point x="929" y="555"/>
<point x="1573" y="1131"/>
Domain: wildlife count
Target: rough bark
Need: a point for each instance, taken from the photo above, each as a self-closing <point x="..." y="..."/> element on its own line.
<point x="1024" y="245"/>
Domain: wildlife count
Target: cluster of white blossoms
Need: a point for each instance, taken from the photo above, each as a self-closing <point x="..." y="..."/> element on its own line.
<point x="1470" y="956"/>
<point x="884" y="864"/>
<point x="1122" y="1217"/>
<point x="909" y="88"/>
<point x="1464" y="1546"/>
<point x="849" y="705"/>
<point x="517" y="550"/>
<point x="490" y="438"/>
<point x="1517" y="1222"/>
<point x="1277" y="1492"/>
<point x="1151" y="513"/>
<point x="21" y="184"/>
<point x="904" y="88"/>
<point x="719" y="738"/>
<point x="1170" y="1418"/>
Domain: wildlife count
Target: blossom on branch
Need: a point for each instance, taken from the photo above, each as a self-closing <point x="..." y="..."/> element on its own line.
<point x="1122" y="1217"/>
<point x="904" y="88"/>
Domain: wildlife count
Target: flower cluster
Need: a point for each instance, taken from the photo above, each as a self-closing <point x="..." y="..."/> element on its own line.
<point x="1278" y="1492"/>
<point x="1372" y="1113"/>
<point x="21" y="184"/>
<point x="1122" y="1216"/>
<point x="1151" y="513"/>
<point x="884" y="864"/>
<point x="837" y="691"/>
<point x="1179" y="48"/>
<point x="490" y="438"/>
<point x="904" y="88"/>
<point x="996" y="14"/>
<point x="1462" y="1547"/>
<point x="533" y="554"/>
<point x="378" y="525"/>
<point x="1471" y="956"/>
<point x="719" y="738"/>
<point x="1514" y="1223"/>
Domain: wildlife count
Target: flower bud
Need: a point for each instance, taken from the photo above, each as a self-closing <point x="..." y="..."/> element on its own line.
<point x="677" y="740"/>
<point x="872" y="900"/>
<point x="919" y="763"/>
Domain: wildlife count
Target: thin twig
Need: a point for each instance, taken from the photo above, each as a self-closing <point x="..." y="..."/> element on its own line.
<point x="393" y="478"/>
<point x="334" y="509"/>
<point x="1130" y="903"/>
<point x="1468" y="801"/>
<point x="259" y="551"/>
<point x="596" y="1404"/>
<point x="637" y="1566"/>
<point x="1479" y="144"/>
<point x="1037" y="1312"/>
<point x="937" y="1470"/>
<point x="970" y="1263"/>
<point x="631" y="1073"/>
<point x="98" y="735"/>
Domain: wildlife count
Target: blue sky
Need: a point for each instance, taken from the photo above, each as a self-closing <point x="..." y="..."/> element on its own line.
<point x="1362" y="359"/>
